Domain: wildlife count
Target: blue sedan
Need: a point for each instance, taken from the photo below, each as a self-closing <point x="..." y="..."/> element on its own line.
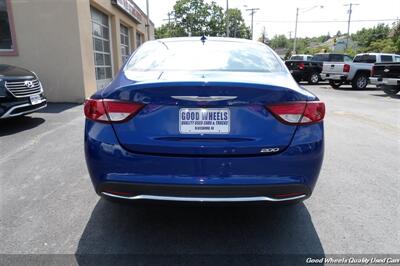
<point x="204" y="120"/>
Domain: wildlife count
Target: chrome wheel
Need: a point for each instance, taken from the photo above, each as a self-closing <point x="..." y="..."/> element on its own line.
<point x="362" y="82"/>
<point x="314" y="78"/>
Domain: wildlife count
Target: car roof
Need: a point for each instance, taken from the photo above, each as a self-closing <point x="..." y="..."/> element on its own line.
<point x="198" y="38"/>
<point x="301" y="55"/>
<point x="165" y="41"/>
<point x="209" y="39"/>
<point x="375" y="54"/>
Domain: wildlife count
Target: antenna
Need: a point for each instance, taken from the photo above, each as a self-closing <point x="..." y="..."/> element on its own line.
<point x="203" y="38"/>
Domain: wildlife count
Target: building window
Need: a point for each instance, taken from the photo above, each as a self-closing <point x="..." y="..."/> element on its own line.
<point x="7" y="35"/>
<point x="101" y="48"/>
<point x="139" y="39"/>
<point x="125" y="51"/>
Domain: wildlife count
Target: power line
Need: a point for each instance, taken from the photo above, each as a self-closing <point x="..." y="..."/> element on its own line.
<point x="170" y="17"/>
<point x="326" y="21"/>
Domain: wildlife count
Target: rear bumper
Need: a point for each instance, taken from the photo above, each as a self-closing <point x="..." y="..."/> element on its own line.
<point x="385" y="81"/>
<point x="336" y="77"/>
<point x="116" y="172"/>
<point x="22" y="106"/>
<point x="192" y="193"/>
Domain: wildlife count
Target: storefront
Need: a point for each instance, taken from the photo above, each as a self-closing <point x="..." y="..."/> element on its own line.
<point x="75" y="46"/>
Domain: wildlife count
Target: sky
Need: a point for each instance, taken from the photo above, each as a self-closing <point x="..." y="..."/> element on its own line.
<point x="278" y="16"/>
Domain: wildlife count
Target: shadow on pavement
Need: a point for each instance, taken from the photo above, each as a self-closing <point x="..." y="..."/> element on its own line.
<point x="186" y="235"/>
<point x="321" y="83"/>
<point x="349" y="88"/>
<point x="55" y="108"/>
<point x="384" y="95"/>
<point x="14" y="125"/>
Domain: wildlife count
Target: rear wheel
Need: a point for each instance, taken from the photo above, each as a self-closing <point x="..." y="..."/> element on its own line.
<point x="360" y="81"/>
<point x="335" y="84"/>
<point x="391" y="90"/>
<point x="313" y="79"/>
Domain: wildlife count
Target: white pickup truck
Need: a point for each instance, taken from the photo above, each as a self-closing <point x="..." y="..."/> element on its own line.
<point x="301" y="57"/>
<point x="356" y="73"/>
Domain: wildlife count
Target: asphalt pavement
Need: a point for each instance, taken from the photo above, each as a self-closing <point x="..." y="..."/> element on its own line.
<point x="48" y="206"/>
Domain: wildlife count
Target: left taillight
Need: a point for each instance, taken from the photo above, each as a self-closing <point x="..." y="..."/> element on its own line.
<point x="346" y="68"/>
<point x="110" y="111"/>
<point x="298" y="113"/>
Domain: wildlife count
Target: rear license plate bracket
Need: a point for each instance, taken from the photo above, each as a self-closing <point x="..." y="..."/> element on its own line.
<point x="204" y="121"/>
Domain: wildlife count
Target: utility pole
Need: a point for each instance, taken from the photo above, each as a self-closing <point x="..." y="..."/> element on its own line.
<point x="290" y="35"/>
<point x="348" y="22"/>
<point x="148" y="20"/>
<point x="170" y="17"/>
<point x="252" y="12"/>
<point x="295" y="31"/>
<point x="297" y="20"/>
<point x="227" y="18"/>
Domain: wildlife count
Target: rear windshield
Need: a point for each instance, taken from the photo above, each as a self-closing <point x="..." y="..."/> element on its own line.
<point x="365" y="58"/>
<point x="210" y="56"/>
<point x="321" y="57"/>
<point x="386" y="58"/>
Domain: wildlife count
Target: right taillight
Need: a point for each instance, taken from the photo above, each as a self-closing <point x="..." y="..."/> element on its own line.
<point x="373" y="71"/>
<point x="301" y="66"/>
<point x="346" y="68"/>
<point x="298" y="113"/>
<point x="110" y="111"/>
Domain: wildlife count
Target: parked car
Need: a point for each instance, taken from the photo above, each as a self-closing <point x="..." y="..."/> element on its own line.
<point x="356" y="73"/>
<point x="310" y="70"/>
<point x="301" y="57"/>
<point x="204" y="120"/>
<point x="387" y="76"/>
<point x="20" y="92"/>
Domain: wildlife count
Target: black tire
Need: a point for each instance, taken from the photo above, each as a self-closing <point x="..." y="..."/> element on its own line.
<point x="335" y="84"/>
<point x="360" y="81"/>
<point x="390" y="90"/>
<point x="313" y="79"/>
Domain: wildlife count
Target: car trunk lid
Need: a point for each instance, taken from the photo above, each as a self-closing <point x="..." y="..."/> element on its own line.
<point x="236" y="110"/>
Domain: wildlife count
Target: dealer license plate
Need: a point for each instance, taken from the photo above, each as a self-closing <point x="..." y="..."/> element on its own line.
<point x="35" y="99"/>
<point x="204" y="120"/>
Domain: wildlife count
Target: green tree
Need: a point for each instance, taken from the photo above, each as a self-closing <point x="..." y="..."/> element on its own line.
<point x="216" y="20"/>
<point x="169" y="30"/>
<point x="365" y="37"/>
<point x="395" y="35"/>
<point x="383" y="46"/>
<point x="237" y="26"/>
<point x="197" y="17"/>
<point x="279" y="41"/>
<point x="191" y="16"/>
